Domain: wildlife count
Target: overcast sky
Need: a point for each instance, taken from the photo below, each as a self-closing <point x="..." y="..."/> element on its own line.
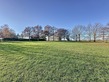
<point x="59" y="13"/>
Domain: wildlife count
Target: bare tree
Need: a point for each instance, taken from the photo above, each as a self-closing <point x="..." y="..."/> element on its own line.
<point x="80" y="30"/>
<point x="36" y="31"/>
<point x="46" y="34"/>
<point x="22" y="34"/>
<point x="103" y="31"/>
<point x="89" y="31"/>
<point x="67" y="35"/>
<point x="62" y="33"/>
<point x="107" y="32"/>
<point x="28" y="31"/>
<point x="42" y="35"/>
<point x="95" y="29"/>
<point x="6" y="32"/>
<point x="77" y="31"/>
<point x="53" y="31"/>
<point x="48" y="30"/>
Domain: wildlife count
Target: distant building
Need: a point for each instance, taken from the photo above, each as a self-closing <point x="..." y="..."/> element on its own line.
<point x="56" y="38"/>
<point x="25" y="37"/>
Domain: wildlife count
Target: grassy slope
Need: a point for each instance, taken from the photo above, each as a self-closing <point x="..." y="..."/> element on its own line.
<point x="54" y="62"/>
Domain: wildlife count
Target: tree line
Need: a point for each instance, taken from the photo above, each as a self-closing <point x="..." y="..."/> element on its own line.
<point x="37" y="32"/>
<point x="90" y="32"/>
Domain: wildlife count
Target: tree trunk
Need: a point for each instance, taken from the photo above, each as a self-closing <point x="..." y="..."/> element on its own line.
<point x="59" y="38"/>
<point x="79" y="38"/>
<point x="68" y="39"/>
<point x="103" y="36"/>
<point x="76" y="38"/>
<point x="94" y="37"/>
<point x="90" y="38"/>
<point x="29" y="38"/>
<point x="53" y="36"/>
<point x="38" y="36"/>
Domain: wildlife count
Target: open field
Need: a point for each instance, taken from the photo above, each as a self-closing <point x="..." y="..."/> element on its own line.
<point x="54" y="62"/>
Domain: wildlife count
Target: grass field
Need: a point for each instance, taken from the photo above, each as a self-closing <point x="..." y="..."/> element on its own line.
<point x="54" y="62"/>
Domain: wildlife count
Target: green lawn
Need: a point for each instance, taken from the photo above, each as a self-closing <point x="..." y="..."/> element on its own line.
<point x="54" y="62"/>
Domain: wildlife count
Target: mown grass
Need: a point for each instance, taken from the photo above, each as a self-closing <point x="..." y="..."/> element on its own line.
<point x="54" y="62"/>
